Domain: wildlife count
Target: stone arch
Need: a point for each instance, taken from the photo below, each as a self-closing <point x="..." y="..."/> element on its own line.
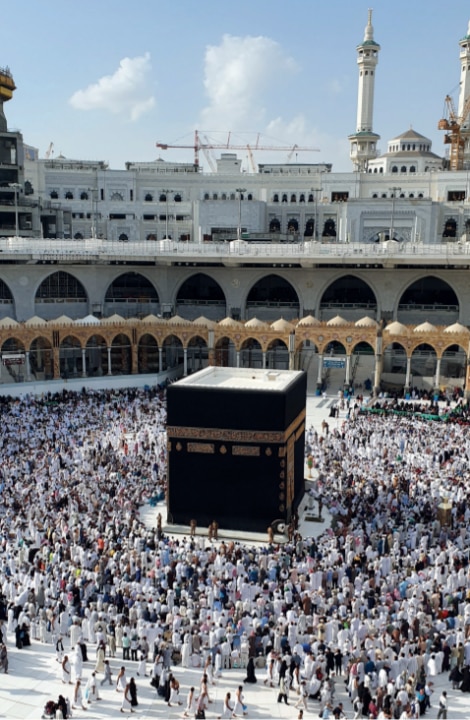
<point x="362" y="368"/>
<point x="251" y="353"/>
<point x="277" y="355"/>
<point x="348" y="296"/>
<point x="96" y="356"/>
<point x="197" y="354"/>
<point x="6" y="301"/>
<point x="13" y="360"/>
<point x="147" y="354"/>
<point x="61" y="293"/>
<point x="41" y="358"/>
<point x="453" y="365"/>
<point x="428" y="298"/>
<point x="394" y="367"/>
<point x="199" y="295"/>
<point x="121" y="355"/>
<point x="423" y="366"/>
<point x="172" y="352"/>
<point x="225" y="352"/>
<point x="70" y="358"/>
<point x="131" y="295"/>
<point x="271" y="297"/>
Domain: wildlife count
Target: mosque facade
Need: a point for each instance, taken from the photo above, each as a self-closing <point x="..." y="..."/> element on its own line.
<point x="356" y="277"/>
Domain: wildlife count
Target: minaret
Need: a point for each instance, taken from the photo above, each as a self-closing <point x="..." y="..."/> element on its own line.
<point x="464" y="93"/>
<point x="364" y="141"/>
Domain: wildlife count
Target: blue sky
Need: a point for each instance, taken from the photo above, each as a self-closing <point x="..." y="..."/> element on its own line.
<point x="106" y="80"/>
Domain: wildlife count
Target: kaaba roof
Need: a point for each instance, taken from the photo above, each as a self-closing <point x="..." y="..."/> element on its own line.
<point x="241" y="378"/>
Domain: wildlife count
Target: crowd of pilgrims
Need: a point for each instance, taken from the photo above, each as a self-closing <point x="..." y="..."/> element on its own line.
<point x="379" y="602"/>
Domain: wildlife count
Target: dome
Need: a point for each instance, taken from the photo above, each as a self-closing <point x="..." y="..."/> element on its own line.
<point x="35" y="320"/>
<point x="8" y="322"/>
<point x="396" y="328"/>
<point x="282" y="325"/>
<point x="62" y="320"/>
<point x="152" y="319"/>
<point x="255" y="323"/>
<point x="336" y="321"/>
<point x="88" y="320"/>
<point x="456" y="328"/>
<point x="113" y="319"/>
<point x="366" y="322"/>
<point x="201" y="320"/>
<point x="178" y="320"/>
<point x="425" y="327"/>
<point x="308" y="320"/>
<point x="229" y="322"/>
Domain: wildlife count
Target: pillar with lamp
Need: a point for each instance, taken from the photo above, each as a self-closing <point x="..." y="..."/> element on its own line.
<point x="240" y="192"/>
<point x="394" y="191"/>
<point x="16" y="187"/>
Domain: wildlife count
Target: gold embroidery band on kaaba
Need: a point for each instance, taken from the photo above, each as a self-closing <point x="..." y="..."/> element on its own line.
<point x="239" y="436"/>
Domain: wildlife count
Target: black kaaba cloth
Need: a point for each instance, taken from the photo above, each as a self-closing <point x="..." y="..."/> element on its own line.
<point x="236" y="447"/>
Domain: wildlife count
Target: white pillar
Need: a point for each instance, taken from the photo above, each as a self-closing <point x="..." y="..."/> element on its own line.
<point x="437" y="379"/>
<point x="408" y="373"/>
<point x="27" y="375"/>
<point x="83" y="362"/>
<point x="320" y="369"/>
<point x="264" y="359"/>
<point x="238" y="359"/>
<point x="160" y="359"/>
<point x="348" y="370"/>
<point x="109" y="360"/>
<point x="378" y="372"/>
<point x="185" y="362"/>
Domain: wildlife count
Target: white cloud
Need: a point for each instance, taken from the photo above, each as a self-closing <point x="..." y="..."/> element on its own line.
<point x="125" y="92"/>
<point x="239" y="75"/>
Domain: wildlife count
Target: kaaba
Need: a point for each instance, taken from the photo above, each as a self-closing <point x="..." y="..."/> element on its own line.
<point x="236" y="447"/>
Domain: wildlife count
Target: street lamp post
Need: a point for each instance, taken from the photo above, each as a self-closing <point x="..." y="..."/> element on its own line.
<point x="15" y="187"/>
<point x="240" y="192"/>
<point x="393" y="190"/>
<point x="166" y="192"/>
<point x="315" y="229"/>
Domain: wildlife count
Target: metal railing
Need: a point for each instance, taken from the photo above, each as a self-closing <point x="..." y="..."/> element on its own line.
<point x="95" y="249"/>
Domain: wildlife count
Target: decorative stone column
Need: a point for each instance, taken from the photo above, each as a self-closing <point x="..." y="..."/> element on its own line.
<point x="83" y="362"/>
<point x="185" y="361"/>
<point x="109" y="360"/>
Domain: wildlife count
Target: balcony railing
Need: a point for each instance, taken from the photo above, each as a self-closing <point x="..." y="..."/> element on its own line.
<point x="96" y="249"/>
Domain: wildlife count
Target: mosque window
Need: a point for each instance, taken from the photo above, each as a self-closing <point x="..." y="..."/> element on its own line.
<point x="293" y="199"/>
<point x="54" y="195"/>
<point x="284" y="198"/>
<point x="83" y="196"/>
<point x="403" y="169"/>
<point x="148" y="197"/>
<point x="117" y="197"/>
<point x="215" y="196"/>
<point x="69" y="195"/>
<point x="394" y="169"/>
<point x="206" y="197"/>
<point x="412" y="169"/>
<point x="249" y="196"/>
<point x="177" y="198"/>
<point x="302" y="198"/>
<point x="276" y="198"/>
<point x="381" y="170"/>
<point x="310" y="198"/>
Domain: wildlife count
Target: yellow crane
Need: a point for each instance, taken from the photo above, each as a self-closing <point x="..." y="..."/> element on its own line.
<point x="452" y="123"/>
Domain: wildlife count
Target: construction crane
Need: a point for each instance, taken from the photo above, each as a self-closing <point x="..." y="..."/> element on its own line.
<point x="49" y="150"/>
<point x="199" y="145"/>
<point x="451" y="123"/>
